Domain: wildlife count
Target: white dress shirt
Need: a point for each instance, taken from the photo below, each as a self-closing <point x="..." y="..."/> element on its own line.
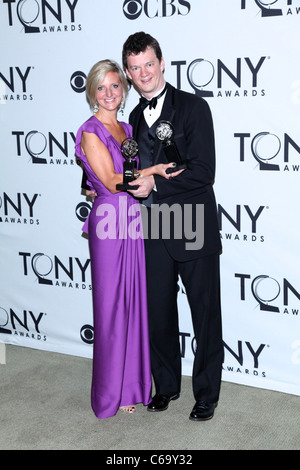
<point x="151" y="115"/>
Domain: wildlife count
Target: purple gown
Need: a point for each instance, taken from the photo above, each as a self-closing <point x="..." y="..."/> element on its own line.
<point x="121" y="358"/>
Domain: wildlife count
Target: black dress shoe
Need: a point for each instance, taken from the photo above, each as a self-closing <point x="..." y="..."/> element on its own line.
<point x="203" y="411"/>
<point x="161" y="402"/>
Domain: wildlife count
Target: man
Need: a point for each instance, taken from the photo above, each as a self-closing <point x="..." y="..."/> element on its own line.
<point x="167" y="257"/>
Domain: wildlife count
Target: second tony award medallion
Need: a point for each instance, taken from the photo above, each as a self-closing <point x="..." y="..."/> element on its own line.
<point x="165" y="132"/>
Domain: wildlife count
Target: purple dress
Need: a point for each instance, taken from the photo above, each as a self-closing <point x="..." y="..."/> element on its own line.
<point x="121" y="358"/>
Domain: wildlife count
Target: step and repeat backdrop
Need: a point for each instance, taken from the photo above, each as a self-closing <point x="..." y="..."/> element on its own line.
<point x="242" y="56"/>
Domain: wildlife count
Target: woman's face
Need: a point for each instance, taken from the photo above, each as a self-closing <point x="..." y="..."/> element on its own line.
<point x="110" y="92"/>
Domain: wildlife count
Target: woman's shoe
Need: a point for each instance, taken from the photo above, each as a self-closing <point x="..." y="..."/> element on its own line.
<point x="128" y="409"/>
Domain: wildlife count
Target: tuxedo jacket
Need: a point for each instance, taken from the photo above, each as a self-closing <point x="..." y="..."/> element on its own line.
<point x="192" y="191"/>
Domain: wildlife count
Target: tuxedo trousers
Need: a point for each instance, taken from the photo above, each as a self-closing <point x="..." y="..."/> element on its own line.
<point x="201" y="280"/>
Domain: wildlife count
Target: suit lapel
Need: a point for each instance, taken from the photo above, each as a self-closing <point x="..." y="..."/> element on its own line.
<point x="136" y="122"/>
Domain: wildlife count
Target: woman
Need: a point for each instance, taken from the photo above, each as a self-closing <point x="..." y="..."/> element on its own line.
<point x="121" y="362"/>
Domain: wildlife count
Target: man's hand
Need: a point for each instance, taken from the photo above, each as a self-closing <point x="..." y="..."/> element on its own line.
<point x="146" y="184"/>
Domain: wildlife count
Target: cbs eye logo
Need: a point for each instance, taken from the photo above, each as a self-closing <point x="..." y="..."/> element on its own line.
<point x="78" y="82"/>
<point x="87" y="334"/>
<point x="82" y="211"/>
<point x="132" y="9"/>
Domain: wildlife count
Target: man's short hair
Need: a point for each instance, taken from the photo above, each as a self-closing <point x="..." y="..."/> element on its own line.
<point x="138" y="42"/>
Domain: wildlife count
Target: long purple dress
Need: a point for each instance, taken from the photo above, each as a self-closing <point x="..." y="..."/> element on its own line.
<point x="121" y="358"/>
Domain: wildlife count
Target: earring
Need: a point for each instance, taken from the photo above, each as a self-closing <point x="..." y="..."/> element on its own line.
<point x="96" y="107"/>
<point x="122" y="108"/>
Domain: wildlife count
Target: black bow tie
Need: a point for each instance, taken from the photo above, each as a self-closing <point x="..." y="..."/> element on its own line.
<point x="151" y="103"/>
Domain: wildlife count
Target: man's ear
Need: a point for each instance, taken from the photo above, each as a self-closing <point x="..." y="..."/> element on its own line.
<point x="128" y="74"/>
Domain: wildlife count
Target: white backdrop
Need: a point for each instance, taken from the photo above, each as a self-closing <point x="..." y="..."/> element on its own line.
<point x="242" y="57"/>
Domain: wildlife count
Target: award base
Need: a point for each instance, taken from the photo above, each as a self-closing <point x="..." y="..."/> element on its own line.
<point x="181" y="166"/>
<point x="129" y="167"/>
<point x="126" y="186"/>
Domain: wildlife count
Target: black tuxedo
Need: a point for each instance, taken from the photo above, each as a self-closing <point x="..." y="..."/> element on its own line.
<point x="194" y="137"/>
<point x="169" y="256"/>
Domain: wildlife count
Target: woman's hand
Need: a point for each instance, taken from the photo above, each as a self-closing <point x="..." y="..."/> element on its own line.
<point x="161" y="168"/>
<point x="145" y="178"/>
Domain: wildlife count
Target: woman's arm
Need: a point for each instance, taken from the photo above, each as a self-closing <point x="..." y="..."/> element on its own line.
<point x="100" y="161"/>
<point x="159" y="169"/>
<point x="146" y="180"/>
<point x="102" y="165"/>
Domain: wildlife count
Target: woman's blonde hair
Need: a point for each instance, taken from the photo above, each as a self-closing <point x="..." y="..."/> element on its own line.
<point x="97" y="75"/>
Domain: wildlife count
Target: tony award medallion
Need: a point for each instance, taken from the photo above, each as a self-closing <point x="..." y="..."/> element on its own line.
<point x="164" y="133"/>
<point x="129" y="150"/>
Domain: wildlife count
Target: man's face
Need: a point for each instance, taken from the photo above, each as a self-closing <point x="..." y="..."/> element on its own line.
<point x="146" y="72"/>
